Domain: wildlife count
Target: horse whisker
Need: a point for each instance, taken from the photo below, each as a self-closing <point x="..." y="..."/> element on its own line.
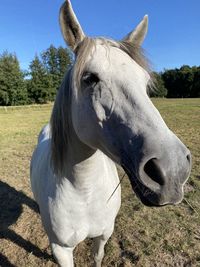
<point x="116" y="187"/>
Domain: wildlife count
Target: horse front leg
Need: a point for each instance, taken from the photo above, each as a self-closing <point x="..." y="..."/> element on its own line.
<point x="63" y="255"/>
<point x="98" y="247"/>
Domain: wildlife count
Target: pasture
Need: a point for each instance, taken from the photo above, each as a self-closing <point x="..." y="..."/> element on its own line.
<point x="144" y="237"/>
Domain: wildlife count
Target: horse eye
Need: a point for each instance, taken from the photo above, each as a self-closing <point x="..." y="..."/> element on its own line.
<point x="90" y="79"/>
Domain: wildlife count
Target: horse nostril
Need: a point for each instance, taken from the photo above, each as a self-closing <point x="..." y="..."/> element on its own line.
<point x="154" y="172"/>
<point x="189" y="158"/>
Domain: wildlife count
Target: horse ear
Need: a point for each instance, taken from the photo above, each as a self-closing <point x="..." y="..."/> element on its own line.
<point x="137" y="36"/>
<point x="71" y="29"/>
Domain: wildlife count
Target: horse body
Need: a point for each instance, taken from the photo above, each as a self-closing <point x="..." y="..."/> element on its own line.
<point x="102" y="114"/>
<point x="76" y="206"/>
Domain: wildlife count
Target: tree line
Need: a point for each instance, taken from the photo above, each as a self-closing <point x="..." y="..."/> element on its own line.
<point x="181" y="82"/>
<point x="41" y="81"/>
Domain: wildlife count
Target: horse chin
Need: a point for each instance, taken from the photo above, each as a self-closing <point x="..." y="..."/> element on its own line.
<point x="146" y="196"/>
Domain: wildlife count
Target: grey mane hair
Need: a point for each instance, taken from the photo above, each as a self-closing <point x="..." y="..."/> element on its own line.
<point x="82" y="52"/>
<point x="60" y="125"/>
<point x="61" y="114"/>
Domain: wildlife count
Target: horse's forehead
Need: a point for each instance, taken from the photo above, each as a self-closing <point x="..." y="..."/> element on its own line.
<point x="106" y="57"/>
<point x="109" y="52"/>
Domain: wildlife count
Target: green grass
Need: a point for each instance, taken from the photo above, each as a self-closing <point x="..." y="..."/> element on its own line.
<point x="145" y="237"/>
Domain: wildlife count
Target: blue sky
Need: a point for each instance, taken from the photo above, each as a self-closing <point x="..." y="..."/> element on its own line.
<point x="29" y="27"/>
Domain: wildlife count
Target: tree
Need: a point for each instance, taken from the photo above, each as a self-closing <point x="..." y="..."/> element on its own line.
<point x="64" y="61"/>
<point x="56" y="62"/>
<point x="183" y="82"/>
<point x="170" y="81"/>
<point x="159" y="89"/>
<point x="40" y="86"/>
<point x="195" y="90"/>
<point x="47" y="74"/>
<point x="12" y="87"/>
<point x="186" y="78"/>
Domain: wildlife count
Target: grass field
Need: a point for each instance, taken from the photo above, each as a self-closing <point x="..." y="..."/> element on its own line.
<point x="144" y="237"/>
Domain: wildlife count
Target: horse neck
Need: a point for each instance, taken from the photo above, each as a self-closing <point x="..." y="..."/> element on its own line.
<point x="83" y="164"/>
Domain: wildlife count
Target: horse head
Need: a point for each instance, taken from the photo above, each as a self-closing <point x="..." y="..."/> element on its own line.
<point x="111" y="111"/>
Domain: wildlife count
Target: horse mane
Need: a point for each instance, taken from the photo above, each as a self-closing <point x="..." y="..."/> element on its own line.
<point x="61" y="115"/>
<point x="60" y="125"/>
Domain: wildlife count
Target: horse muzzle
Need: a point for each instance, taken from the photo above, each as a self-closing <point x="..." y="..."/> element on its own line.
<point x="160" y="181"/>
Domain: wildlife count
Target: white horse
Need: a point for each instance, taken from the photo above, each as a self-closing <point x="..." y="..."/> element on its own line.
<point x="102" y="115"/>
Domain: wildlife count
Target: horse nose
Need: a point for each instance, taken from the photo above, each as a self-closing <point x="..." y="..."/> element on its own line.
<point x="165" y="175"/>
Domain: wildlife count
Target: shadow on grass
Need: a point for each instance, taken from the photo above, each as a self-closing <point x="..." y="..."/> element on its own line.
<point x="11" y="202"/>
<point x="128" y="254"/>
